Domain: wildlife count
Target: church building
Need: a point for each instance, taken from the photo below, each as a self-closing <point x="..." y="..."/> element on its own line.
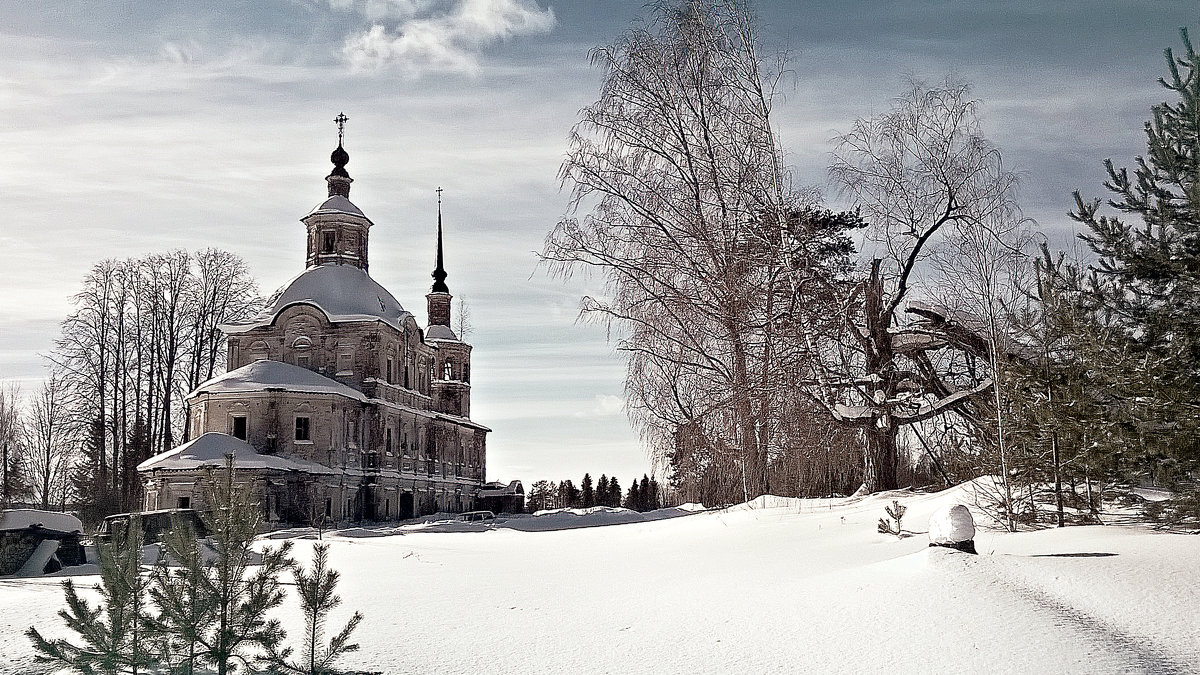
<point x="337" y="406"/>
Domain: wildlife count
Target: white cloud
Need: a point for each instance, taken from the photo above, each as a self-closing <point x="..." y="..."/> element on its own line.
<point x="428" y="39"/>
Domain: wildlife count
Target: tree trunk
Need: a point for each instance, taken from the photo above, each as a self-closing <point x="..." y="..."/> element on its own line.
<point x="881" y="458"/>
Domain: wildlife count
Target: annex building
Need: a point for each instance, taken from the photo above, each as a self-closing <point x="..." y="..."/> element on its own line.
<point x="337" y="405"/>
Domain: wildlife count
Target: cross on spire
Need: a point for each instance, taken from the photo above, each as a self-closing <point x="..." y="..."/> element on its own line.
<point x="439" y="273"/>
<point x="341" y="120"/>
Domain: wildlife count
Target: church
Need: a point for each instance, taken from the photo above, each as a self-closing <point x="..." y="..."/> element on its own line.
<point x="337" y="405"/>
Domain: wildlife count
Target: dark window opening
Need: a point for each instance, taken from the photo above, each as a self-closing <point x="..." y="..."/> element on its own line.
<point x="327" y="245"/>
<point x="302" y="430"/>
<point x="389" y="370"/>
<point x="329" y="507"/>
<point x="388" y="443"/>
<point x="372" y="460"/>
<point x="183" y="503"/>
<point x="239" y="427"/>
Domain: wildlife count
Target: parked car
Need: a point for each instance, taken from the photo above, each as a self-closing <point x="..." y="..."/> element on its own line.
<point x="475" y="516"/>
<point x="155" y="524"/>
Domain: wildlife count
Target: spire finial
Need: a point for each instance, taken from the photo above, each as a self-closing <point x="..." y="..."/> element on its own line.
<point x="339" y="181"/>
<point x="439" y="273"/>
<point x="341" y="120"/>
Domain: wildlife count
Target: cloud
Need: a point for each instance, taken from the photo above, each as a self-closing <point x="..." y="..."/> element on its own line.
<point x="426" y="40"/>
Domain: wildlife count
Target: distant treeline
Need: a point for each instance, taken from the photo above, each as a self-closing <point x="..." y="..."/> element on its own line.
<point x="643" y="495"/>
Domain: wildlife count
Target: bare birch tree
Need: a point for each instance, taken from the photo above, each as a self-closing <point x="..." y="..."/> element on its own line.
<point x="917" y="171"/>
<point x="689" y="220"/>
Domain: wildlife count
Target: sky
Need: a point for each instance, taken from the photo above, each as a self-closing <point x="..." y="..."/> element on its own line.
<point x="138" y="127"/>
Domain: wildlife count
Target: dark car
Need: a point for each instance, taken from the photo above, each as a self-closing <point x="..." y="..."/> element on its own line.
<point x="155" y="524"/>
<point x="475" y="516"/>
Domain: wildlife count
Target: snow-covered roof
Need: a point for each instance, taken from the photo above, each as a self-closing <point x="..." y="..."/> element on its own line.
<point x="211" y="449"/>
<point x="440" y="332"/>
<point x="337" y="204"/>
<point x="342" y="292"/>
<point x="19" y="519"/>
<point x="267" y="375"/>
<point x="496" y="489"/>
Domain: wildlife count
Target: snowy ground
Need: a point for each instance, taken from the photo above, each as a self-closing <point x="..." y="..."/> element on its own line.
<point x="789" y="586"/>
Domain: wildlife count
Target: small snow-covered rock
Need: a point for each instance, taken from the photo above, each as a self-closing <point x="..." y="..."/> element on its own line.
<point x="952" y="526"/>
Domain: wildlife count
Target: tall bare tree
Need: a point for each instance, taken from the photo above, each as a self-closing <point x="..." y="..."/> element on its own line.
<point x="917" y="171"/>
<point x="694" y="228"/>
<point x="50" y="436"/>
<point x="144" y="333"/>
<point x="14" y="482"/>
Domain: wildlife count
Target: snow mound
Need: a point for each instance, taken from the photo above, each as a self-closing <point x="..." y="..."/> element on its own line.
<point x="951" y="525"/>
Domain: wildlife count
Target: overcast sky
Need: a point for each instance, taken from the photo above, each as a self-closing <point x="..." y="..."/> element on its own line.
<point x="132" y="127"/>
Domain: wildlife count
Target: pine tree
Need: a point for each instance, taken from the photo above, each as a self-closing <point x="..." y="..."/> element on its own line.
<point x="317" y="599"/>
<point x="1148" y="271"/>
<point x="644" y="496"/>
<point x="602" y="491"/>
<point x="114" y="633"/>
<point x="614" y="492"/>
<point x="587" y="495"/>
<point x="654" y="502"/>
<point x="186" y="598"/>
<point x="242" y="599"/>
<point x="633" y="499"/>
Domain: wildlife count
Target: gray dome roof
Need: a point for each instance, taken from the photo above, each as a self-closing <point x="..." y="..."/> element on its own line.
<point x="337" y="204"/>
<point x="343" y="292"/>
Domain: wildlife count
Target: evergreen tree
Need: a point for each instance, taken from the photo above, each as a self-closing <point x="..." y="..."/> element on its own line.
<point x="654" y="501"/>
<point x="186" y="598"/>
<point x="602" y="491"/>
<point x="115" y="636"/>
<point x="644" y="496"/>
<point x="587" y="495"/>
<point x="317" y="599"/>
<point x="242" y="598"/>
<point x="633" y="499"/>
<point x="540" y="494"/>
<point x="568" y="495"/>
<point x="1148" y="269"/>
<point x="614" y="492"/>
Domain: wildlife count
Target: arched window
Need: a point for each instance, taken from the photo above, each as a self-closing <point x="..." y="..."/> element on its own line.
<point x="448" y="370"/>
<point x="259" y="351"/>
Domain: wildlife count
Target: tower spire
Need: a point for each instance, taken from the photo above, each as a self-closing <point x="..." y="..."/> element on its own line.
<point x="439" y="273"/>
<point x="339" y="181"/>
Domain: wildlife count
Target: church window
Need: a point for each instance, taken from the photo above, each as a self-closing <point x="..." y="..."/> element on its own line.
<point x="329" y="507"/>
<point x="448" y="370"/>
<point x="390" y="367"/>
<point x="239" y="426"/>
<point x="183" y="503"/>
<point x="303" y="360"/>
<point x="330" y="240"/>
<point x="388" y="444"/>
<point x="259" y="351"/>
<point x="406" y="385"/>
<point x="345" y="363"/>
<point x="302" y="429"/>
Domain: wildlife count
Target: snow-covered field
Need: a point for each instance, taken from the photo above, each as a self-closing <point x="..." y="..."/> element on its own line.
<point x="779" y="586"/>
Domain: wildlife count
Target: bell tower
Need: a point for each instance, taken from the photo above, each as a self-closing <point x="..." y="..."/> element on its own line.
<point x="337" y="229"/>
<point x="451" y="381"/>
